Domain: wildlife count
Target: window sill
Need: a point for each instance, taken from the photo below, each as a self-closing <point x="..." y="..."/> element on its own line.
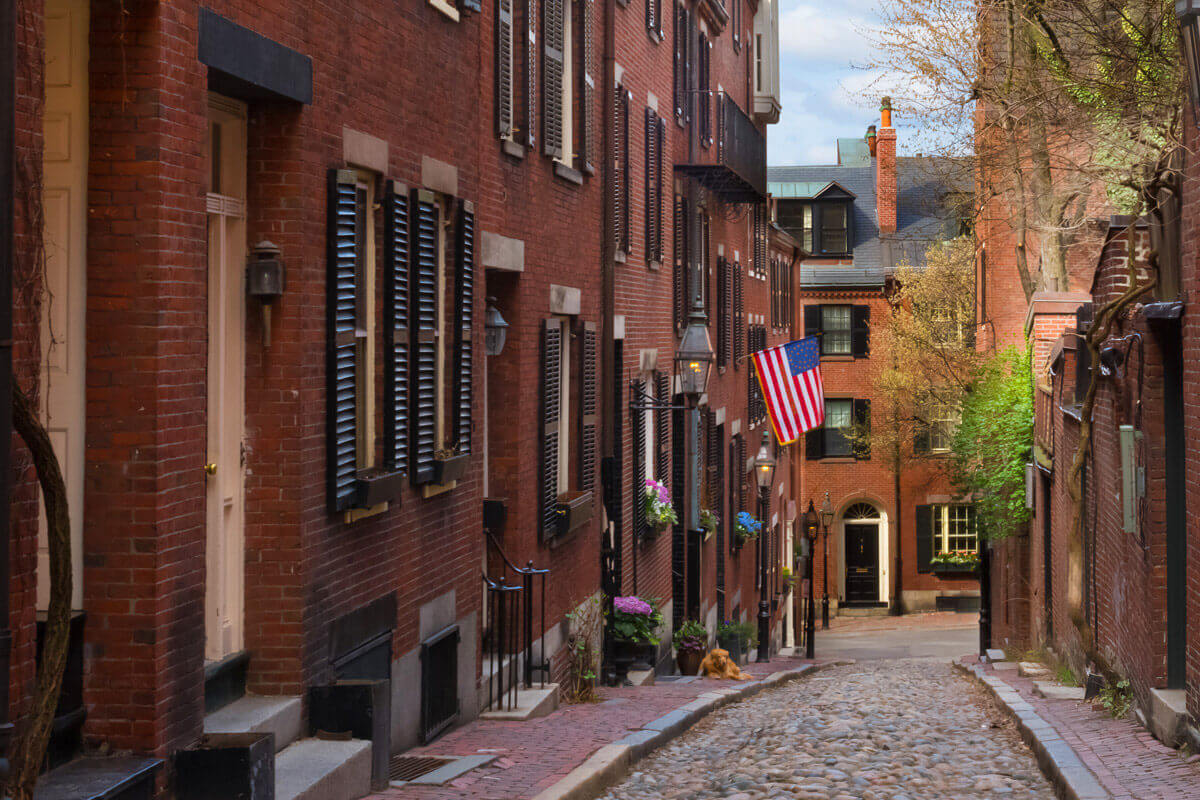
<point x="429" y="490"/>
<point x="654" y="266"/>
<point x="511" y="148"/>
<point x="568" y="174"/>
<point x="356" y="514"/>
<point x="839" y="460"/>
<point x="445" y="8"/>
<point x="620" y="257"/>
<point x="838" y="357"/>
<point x="655" y="36"/>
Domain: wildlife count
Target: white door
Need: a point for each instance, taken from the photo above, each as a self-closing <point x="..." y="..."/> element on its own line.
<point x="65" y="160"/>
<point x="225" y="468"/>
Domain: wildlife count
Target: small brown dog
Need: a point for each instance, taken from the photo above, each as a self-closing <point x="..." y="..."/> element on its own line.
<point x="717" y="665"/>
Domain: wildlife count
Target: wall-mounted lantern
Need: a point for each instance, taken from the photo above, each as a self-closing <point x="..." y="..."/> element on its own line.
<point x="1187" y="12"/>
<point x="495" y="329"/>
<point x="695" y="356"/>
<point x="265" y="281"/>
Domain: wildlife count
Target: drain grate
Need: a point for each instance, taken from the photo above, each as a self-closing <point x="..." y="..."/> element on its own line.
<point x="406" y="768"/>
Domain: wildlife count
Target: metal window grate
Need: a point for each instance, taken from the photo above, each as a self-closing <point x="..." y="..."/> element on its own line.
<point x="406" y="768"/>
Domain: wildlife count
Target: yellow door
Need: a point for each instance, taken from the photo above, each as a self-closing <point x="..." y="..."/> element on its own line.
<point x="65" y="160"/>
<point x="225" y="467"/>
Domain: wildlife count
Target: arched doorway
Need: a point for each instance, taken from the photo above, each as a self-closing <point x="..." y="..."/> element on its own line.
<point x="863" y="541"/>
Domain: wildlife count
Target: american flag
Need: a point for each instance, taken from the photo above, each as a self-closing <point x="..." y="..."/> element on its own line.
<point x="790" y="378"/>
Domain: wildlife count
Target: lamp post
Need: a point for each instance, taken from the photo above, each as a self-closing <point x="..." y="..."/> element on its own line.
<point x="764" y="474"/>
<point x="826" y="521"/>
<point x="811" y="520"/>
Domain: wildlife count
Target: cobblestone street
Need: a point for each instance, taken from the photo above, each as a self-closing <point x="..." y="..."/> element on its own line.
<point x="884" y="730"/>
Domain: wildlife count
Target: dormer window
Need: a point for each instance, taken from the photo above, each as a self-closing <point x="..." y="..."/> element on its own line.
<point x="835" y="228"/>
<point x="822" y="222"/>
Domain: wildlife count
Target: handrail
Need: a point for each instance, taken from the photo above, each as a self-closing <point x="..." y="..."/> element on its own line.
<point x="510" y="634"/>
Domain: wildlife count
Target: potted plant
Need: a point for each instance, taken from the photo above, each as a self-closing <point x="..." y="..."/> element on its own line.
<point x="691" y="643"/>
<point x="955" y="561"/>
<point x="746" y="528"/>
<point x="657" y="504"/>
<point x="635" y="632"/>
<point x="737" y="638"/>
<point x="448" y="466"/>
<point x="709" y="522"/>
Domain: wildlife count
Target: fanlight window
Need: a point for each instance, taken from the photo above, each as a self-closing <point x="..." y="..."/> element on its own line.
<point x="862" y="511"/>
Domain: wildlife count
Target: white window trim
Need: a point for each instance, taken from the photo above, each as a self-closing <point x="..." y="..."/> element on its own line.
<point x="564" y="409"/>
<point x="568" y="88"/>
<point x="365" y="330"/>
<point x="942" y="527"/>
<point x="446" y="8"/>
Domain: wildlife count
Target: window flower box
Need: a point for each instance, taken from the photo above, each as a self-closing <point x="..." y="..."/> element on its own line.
<point x="961" y="562"/>
<point x="955" y="569"/>
<point x="449" y="468"/>
<point x="574" y="511"/>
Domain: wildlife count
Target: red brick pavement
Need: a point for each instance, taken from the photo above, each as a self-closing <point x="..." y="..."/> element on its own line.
<point x="1129" y="762"/>
<point x="931" y="620"/>
<point x="534" y="755"/>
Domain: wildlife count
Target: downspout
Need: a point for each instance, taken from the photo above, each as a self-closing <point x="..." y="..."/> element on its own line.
<point x="8" y="57"/>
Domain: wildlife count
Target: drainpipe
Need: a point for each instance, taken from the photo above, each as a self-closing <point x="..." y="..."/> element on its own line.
<point x="610" y="547"/>
<point x="8" y="57"/>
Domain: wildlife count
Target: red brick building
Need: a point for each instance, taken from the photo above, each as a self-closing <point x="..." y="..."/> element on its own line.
<point x="270" y="234"/>
<point x="857" y="220"/>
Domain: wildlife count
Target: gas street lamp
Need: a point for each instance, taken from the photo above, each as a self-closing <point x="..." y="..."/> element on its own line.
<point x="694" y="359"/>
<point x="826" y="521"/>
<point x="811" y="521"/>
<point x="764" y="474"/>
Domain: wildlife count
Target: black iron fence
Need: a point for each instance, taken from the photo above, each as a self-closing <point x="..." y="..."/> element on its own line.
<point x="513" y="597"/>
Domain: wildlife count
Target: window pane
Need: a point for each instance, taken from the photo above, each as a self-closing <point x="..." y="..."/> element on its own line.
<point x="839" y="416"/>
<point x="833" y="228"/>
<point x="835" y="324"/>
<point x="808" y="228"/>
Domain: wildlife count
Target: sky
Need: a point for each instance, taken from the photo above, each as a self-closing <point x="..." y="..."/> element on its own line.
<point x="826" y="93"/>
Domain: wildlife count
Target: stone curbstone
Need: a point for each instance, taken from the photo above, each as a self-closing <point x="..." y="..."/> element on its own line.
<point x="608" y="764"/>
<point x="1071" y="779"/>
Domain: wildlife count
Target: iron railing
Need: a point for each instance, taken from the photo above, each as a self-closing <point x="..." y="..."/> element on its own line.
<point x="737" y="168"/>
<point x="509" y="633"/>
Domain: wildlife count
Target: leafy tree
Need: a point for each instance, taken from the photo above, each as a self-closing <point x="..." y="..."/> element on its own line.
<point x="993" y="442"/>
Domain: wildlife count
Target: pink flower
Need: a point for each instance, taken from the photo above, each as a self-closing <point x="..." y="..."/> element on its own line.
<point x="632" y="605"/>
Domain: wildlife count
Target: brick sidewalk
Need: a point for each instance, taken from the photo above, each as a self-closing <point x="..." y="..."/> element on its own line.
<point x="931" y="620"/>
<point x="1129" y="762"/>
<point x="533" y="755"/>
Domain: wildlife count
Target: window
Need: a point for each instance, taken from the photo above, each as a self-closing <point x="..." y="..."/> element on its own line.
<point x="844" y="330"/>
<point x="806" y="226"/>
<point x="846" y="432"/>
<point x="834" y="229"/>
<point x="683" y="65"/>
<point x="621" y="175"/>
<point x="654" y="19"/>
<point x="724" y="311"/>
<point x="505" y="70"/>
<point x="427" y="254"/>
<point x="569" y="424"/>
<point x="557" y="76"/>
<point x="756" y="406"/>
<point x="942" y="424"/>
<point x="704" y="58"/>
<point x="954" y="529"/>
<point x="781" y="292"/>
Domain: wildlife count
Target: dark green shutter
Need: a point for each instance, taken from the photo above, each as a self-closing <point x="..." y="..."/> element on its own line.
<point x="588" y="414"/>
<point x="814" y="444"/>
<point x="342" y="348"/>
<point x="812" y="321"/>
<point x="638" y="438"/>
<point x="862" y="425"/>
<point x="553" y="44"/>
<point x="861" y="320"/>
<point x="663" y="433"/>
<point x="464" y="327"/>
<point x="552" y="337"/>
<point x="924" y="538"/>
<point x="395" y="327"/>
<point x="423" y="283"/>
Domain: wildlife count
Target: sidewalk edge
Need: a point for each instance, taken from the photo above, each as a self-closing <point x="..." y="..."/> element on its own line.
<point x="1060" y="764"/>
<point x="608" y="764"/>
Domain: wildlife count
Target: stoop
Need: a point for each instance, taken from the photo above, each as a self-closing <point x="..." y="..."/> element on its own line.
<point x="1167" y="719"/>
<point x="531" y="704"/>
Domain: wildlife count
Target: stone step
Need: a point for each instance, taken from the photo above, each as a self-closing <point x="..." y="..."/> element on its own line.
<point x="1056" y="691"/>
<point x="531" y="704"/>
<point x="281" y="716"/>
<point x="863" y="611"/>
<point x="320" y="769"/>
<point x="1031" y="669"/>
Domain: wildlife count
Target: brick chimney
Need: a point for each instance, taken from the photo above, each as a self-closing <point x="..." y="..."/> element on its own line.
<point x="886" y="192"/>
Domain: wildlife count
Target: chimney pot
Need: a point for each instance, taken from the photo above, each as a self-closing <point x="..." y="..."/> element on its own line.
<point x="872" y="139"/>
<point x="885" y="112"/>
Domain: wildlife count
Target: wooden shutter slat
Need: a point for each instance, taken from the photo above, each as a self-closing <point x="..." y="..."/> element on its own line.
<point x="531" y="61"/>
<point x="423" y="284"/>
<point x="652" y="182"/>
<point x="504" y="69"/>
<point x="588" y="414"/>
<point x="662" y="392"/>
<point x="342" y="348"/>
<point x="395" y="328"/>
<point x="638" y="439"/>
<point x="464" y="326"/>
<point x="626" y="178"/>
<point x="590" y="144"/>
<point x="739" y="317"/>
<point x="552" y="333"/>
<point x="680" y="277"/>
<point x="553" y="46"/>
<point x="660" y="183"/>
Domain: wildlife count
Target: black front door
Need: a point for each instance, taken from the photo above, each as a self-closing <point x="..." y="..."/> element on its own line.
<point x="862" y="564"/>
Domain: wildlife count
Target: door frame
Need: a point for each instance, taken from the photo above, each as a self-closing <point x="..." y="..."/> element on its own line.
<point x="839" y="531"/>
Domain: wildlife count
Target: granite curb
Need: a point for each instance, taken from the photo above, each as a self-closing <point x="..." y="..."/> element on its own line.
<point x="1061" y="764"/>
<point x="608" y="764"/>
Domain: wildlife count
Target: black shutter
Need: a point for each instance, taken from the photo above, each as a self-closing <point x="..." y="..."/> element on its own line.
<point x="735" y="492"/>
<point x="681" y="97"/>
<point x="924" y="538"/>
<point x="590" y="140"/>
<point x="504" y="69"/>
<point x="660" y="133"/>
<point x="464" y="327"/>
<point x="637" y="392"/>
<point x="760" y="239"/>
<point x="814" y="444"/>
<point x="862" y="425"/>
<point x="861" y="320"/>
<point x="626" y="100"/>
<point x="531" y="61"/>
<point x="553" y="44"/>
<point x="812" y="321"/>
<point x="662" y="452"/>
<point x="552" y="337"/>
<point x="653" y="176"/>
<point x="342" y="365"/>
<point x="737" y="26"/>
<point x="921" y="439"/>
<point x="588" y="414"/>
<point x="703" y="57"/>
<point x="678" y="533"/>
<point x="722" y="521"/>
<point x="712" y="450"/>
<point x="621" y="176"/>
<point x="723" y="287"/>
<point x="654" y="17"/>
<point x="681" y="266"/>
<point x="739" y="316"/>
<point x="740" y="472"/>
<point x="705" y="262"/>
<point x="423" y="283"/>
<point x="395" y="327"/>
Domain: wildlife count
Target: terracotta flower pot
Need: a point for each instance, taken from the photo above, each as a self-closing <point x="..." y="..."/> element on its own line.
<point x="689" y="661"/>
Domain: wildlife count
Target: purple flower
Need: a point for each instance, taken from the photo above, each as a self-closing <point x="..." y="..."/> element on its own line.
<point x="632" y="605"/>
